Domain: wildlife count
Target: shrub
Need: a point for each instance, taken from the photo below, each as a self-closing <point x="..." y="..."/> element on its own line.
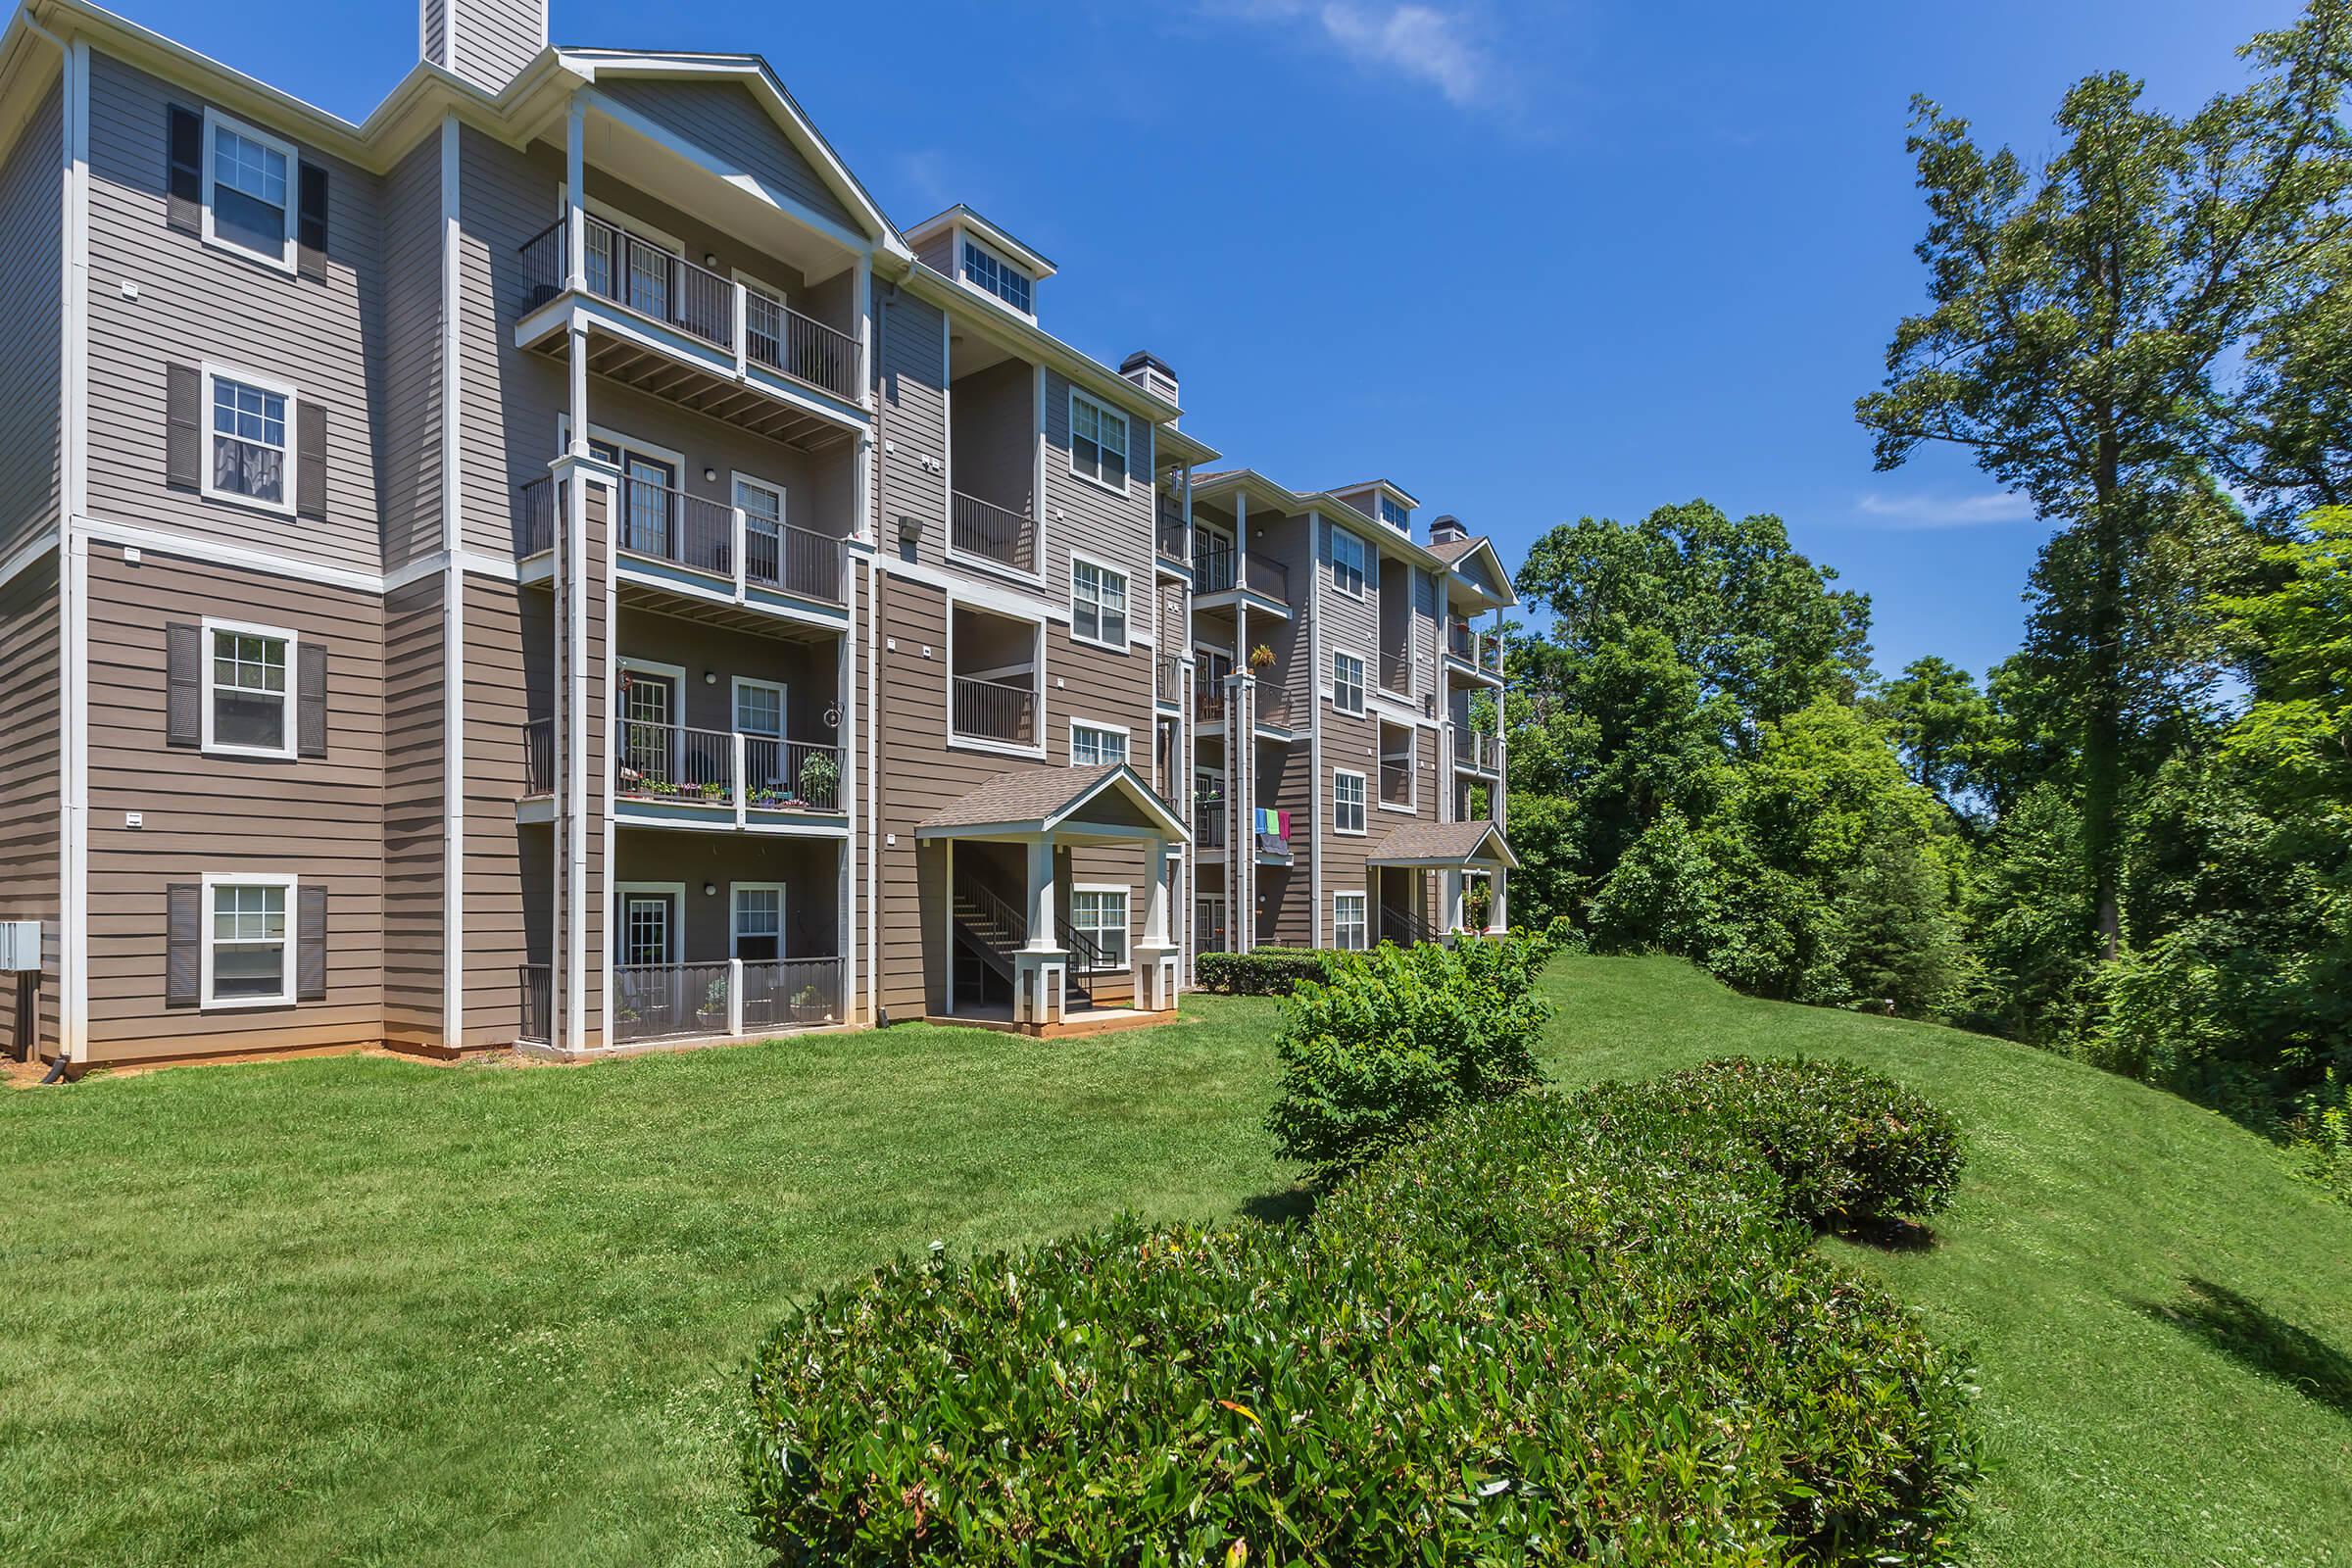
<point x="1263" y="972"/>
<point x="1554" y="1329"/>
<point x="1398" y="1037"/>
<point x="1849" y="1147"/>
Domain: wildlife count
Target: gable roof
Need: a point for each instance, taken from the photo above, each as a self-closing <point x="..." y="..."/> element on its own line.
<point x="1445" y="844"/>
<point x="1039" y="799"/>
<point x="1038" y="265"/>
<point x="1455" y="551"/>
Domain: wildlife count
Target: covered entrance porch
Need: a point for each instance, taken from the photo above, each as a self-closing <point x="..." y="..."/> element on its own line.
<point x="1470" y="863"/>
<point x="1050" y="906"/>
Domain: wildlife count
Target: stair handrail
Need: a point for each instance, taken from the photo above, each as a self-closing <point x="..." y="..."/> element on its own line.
<point x="1015" y="923"/>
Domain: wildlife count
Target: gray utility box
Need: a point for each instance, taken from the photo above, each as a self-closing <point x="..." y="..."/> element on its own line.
<point x="20" y="944"/>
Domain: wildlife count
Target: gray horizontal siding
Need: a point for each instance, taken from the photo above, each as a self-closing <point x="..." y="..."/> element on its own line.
<point x="411" y="436"/>
<point x="31" y="289"/>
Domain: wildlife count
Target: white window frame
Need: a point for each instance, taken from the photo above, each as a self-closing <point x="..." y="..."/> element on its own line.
<point x="1363" y="804"/>
<point x="1363" y="921"/>
<point x="737" y="480"/>
<point x="676" y="675"/>
<point x="1126" y="740"/>
<point x="250" y="879"/>
<point x="215" y="122"/>
<point x="1412" y="764"/>
<point x="676" y="934"/>
<point x="1402" y="523"/>
<point x="212" y="372"/>
<point x="1104" y="411"/>
<point x="1126" y="897"/>
<point x="1362" y="566"/>
<point x="1363" y="677"/>
<point x="735" y="690"/>
<point x="1126" y="602"/>
<point x="735" y="916"/>
<point x="963" y="274"/>
<point x="239" y="628"/>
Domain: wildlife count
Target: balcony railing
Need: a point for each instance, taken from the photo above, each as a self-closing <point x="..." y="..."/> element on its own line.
<point x="751" y="327"/>
<point x="1208" y="704"/>
<point x="535" y="505"/>
<point x="994" y="533"/>
<point x="992" y="710"/>
<point x="1215" y="570"/>
<point x="671" y="1001"/>
<point x="1473" y="648"/>
<point x="1484" y="751"/>
<point x="1208" y="822"/>
<point x="1397" y="673"/>
<point x="1396" y="783"/>
<point x="672" y="763"/>
<point x="791" y="993"/>
<point x="538" y="1003"/>
<point x="664" y="524"/>
<point x="798" y="346"/>
<point x="539" y="757"/>
<point x="1167" y="680"/>
<point x="1170" y="537"/>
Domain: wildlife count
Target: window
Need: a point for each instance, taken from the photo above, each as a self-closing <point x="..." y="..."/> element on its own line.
<point x="1092" y="745"/>
<point x="247" y="704"/>
<point x="759" y="707"/>
<point x="1100" y="915"/>
<point x="1347" y="683"/>
<point x="1347" y="802"/>
<point x="762" y="507"/>
<point x="649" y="923"/>
<point x="1098" y="603"/>
<point x="759" y="920"/>
<point x="247" y="177"/>
<point x="1098" y="442"/>
<point x="1005" y="280"/>
<point x="248" y="961"/>
<point x="1351" y="931"/>
<point x="1347" y="562"/>
<point x="1392" y="512"/>
<point x="250" y="458"/>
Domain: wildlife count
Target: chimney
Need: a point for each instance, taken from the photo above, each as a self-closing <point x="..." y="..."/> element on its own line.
<point x="1152" y="374"/>
<point x="1446" y="530"/>
<point x="486" y="43"/>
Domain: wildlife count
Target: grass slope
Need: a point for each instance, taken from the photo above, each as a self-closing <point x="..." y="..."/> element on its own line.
<point x="365" y="1310"/>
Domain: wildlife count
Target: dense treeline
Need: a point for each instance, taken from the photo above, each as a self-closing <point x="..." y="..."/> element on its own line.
<point x="2133" y="839"/>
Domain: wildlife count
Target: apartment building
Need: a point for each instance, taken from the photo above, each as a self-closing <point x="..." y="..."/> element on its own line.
<point x="554" y="565"/>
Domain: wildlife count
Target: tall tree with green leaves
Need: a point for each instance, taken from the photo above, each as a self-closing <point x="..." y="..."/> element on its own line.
<point x="2087" y="329"/>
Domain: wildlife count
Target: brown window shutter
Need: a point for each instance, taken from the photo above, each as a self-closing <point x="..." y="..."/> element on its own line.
<point x="183" y="684"/>
<point x="183" y="170"/>
<point x="183" y="944"/>
<point x="183" y="427"/>
<point x="309" y="225"/>
<point x="309" y="690"/>
<point x="310" y="956"/>
<point x="310" y="459"/>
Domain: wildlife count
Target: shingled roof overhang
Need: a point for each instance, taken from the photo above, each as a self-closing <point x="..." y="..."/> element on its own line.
<point x="1445" y="844"/>
<point x="1109" y="801"/>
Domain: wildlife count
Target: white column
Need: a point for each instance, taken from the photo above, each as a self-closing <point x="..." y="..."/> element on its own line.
<point x="1450" y="899"/>
<point x="576" y="363"/>
<point x="863" y="305"/>
<point x="1043" y="930"/>
<point x="734" y="995"/>
<point x="1156" y="907"/>
<point x="575" y="187"/>
<point x="1499" y="917"/>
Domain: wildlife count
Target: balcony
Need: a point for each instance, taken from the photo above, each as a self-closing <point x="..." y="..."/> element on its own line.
<point x="1208" y="704"/>
<point x="986" y="531"/>
<point x="1167" y="679"/>
<point x="1481" y="751"/>
<point x="1218" y="570"/>
<point x="657" y="523"/>
<point x="736" y="997"/>
<point x="690" y="335"/>
<point x="1208" y="822"/>
<point x="1397" y="673"/>
<point x="700" y="776"/>
<point x="1483" y="652"/>
<point x="998" y="711"/>
<point x="1169" y="538"/>
<point x="1395" y="782"/>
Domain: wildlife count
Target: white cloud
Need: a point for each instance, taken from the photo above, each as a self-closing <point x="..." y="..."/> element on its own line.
<point x="1947" y="512"/>
<point x="1428" y="44"/>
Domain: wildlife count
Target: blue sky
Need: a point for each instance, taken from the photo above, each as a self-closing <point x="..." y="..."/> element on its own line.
<point x="1532" y="261"/>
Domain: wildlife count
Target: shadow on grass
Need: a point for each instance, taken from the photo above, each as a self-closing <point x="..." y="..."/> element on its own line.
<point x="2260" y="1339"/>
<point x="1285" y="1205"/>
<point x="1890" y="1235"/>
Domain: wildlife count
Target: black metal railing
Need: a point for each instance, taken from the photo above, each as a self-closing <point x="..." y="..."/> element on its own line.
<point x="539" y="757"/>
<point x="538" y="1003"/>
<point x="1208" y="704"/>
<point x="1486" y="750"/>
<point x="635" y="273"/>
<point x="781" y="775"/>
<point x="535" y="505"/>
<point x="1402" y="927"/>
<point x="668" y="524"/>
<point x="791" y="993"/>
<point x="1208" y="822"/>
<point x="1170" y="537"/>
<point x="1169" y="680"/>
<point x="1267" y="576"/>
<point x="796" y="561"/>
<point x="992" y="710"/>
<point x="995" y="533"/>
<point x="802" y="347"/>
<point x="670" y="1001"/>
<point x="1396" y="783"/>
<point x="672" y="763"/>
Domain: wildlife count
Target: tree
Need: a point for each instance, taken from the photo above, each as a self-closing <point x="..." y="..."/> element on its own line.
<point x="1941" y="724"/>
<point x="2083" y="327"/>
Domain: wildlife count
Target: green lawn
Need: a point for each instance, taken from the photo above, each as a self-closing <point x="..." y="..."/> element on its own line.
<point x="360" y="1309"/>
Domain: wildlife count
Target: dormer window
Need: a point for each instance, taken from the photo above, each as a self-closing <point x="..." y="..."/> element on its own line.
<point x="1000" y="277"/>
<point x="1393" y="514"/>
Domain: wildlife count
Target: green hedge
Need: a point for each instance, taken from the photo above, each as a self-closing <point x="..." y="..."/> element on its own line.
<point x="1263" y="972"/>
<point x="1555" y="1330"/>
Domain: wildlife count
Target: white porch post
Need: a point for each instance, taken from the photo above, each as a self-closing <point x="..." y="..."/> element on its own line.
<point x="1156" y="956"/>
<point x="576" y="231"/>
<point x="1451" y="899"/>
<point x="1040" y="970"/>
<point x="1499" y="917"/>
<point x="1042" y="896"/>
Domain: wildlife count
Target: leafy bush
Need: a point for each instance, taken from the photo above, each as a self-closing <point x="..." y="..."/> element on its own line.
<point x="1847" y="1147"/>
<point x="1263" y="972"/>
<point x="1554" y="1329"/>
<point x="1398" y="1037"/>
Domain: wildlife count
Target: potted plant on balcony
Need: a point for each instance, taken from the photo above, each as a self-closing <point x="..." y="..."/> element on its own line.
<point x="714" y="791"/>
<point x="1262" y="658"/>
<point x="808" y="1006"/>
<point x="820" y="776"/>
<point x="714" y="1003"/>
<point x="661" y="787"/>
